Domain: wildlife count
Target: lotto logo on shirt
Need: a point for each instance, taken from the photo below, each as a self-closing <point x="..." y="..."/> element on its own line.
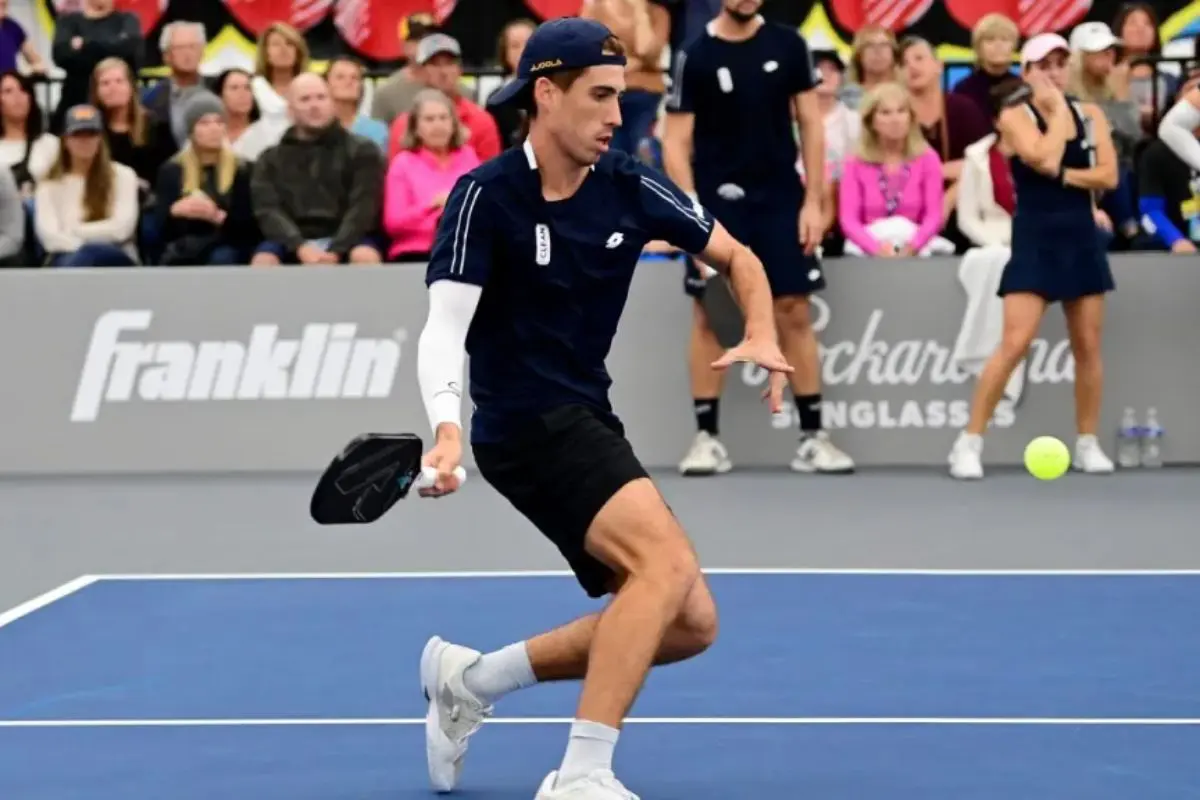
<point x="875" y="379"/>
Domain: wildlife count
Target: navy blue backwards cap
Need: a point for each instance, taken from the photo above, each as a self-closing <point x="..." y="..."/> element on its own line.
<point x="556" y="46"/>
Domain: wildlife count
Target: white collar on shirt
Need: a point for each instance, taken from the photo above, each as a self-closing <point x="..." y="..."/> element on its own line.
<point x="527" y="146"/>
<point x="711" y="27"/>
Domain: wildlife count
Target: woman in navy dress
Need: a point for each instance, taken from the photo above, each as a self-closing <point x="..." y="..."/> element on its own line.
<point x="1063" y="156"/>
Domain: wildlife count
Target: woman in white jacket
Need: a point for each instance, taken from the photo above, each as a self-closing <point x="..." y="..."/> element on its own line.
<point x="86" y="208"/>
<point x="984" y="208"/>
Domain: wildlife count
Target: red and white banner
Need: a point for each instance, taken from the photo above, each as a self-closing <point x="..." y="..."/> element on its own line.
<point x="894" y="15"/>
<point x="375" y="30"/>
<point x="257" y="15"/>
<point x="552" y="9"/>
<point x="1040" y="16"/>
<point x="1032" y="16"/>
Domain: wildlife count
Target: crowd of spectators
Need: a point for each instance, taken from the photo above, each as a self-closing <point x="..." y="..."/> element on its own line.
<point x="283" y="164"/>
<point x="897" y="88"/>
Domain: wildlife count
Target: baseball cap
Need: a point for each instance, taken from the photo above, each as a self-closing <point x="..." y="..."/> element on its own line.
<point x="829" y="57"/>
<point x="82" y="119"/>
<point x="556" y="46"/>
<point x="1041" y="46"/>
<point x="1093" y="37"/>
<point x="436" y="43"/>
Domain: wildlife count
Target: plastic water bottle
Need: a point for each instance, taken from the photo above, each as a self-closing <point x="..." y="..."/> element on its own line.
<point x="1152" y="436"/>
<point x="1129" y="445"/>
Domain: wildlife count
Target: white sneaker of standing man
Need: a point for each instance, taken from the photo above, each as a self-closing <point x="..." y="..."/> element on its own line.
<point x="818" y="454"/>
<point x="706" y="456"/>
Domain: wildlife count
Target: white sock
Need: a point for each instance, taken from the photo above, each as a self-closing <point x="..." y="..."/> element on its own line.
<point x="500" y="672"/>
<point x="590" y="748"/>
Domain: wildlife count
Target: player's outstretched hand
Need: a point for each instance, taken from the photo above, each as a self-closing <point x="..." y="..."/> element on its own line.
<point x="767" y="355"/>
<point x="445" y="457"/>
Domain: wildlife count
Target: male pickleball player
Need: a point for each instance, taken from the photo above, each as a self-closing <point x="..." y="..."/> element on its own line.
<point x="530" y="271"/>
<point x="731" y="140"/>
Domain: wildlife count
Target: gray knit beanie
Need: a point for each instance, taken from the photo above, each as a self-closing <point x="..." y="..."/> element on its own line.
<point x="200" y="104"/>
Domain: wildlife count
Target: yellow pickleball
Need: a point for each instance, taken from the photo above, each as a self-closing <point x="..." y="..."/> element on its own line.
<point x="1047" y="458"/>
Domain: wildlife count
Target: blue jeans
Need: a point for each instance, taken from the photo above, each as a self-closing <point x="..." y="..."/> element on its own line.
<point x="93" y="255"/>
<point x="286" y="256"/>
<point x="33" y="245"/>
<point x="226" y="255"/>
<point x="639" y="110"/>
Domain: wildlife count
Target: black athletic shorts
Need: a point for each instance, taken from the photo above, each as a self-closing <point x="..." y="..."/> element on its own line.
<point x="771" y="230"/>
<point x="559" y="471"/>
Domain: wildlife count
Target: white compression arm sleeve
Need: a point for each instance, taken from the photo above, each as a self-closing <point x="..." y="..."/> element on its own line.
<point x="441" y="350"/>
<point x="1178" y="132"/>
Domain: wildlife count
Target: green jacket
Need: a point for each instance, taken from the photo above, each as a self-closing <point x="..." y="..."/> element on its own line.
<point x="328" y="186"/>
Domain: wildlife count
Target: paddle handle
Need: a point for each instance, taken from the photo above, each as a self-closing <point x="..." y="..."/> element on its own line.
<point x="428" y="477"/>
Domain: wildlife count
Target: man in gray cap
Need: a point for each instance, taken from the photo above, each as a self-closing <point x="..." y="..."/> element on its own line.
<point x="439" y="60"/>
<point x="395" y="95"/>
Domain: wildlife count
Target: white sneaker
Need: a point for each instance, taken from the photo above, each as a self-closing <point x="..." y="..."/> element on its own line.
<point x="966" y="457"/>
<point x="600" y="785"/>
<point x="1090" y="458"/>
<point x="706" y="456"/>
<point x="454" y="713"/>
<point x="817" y="453"/>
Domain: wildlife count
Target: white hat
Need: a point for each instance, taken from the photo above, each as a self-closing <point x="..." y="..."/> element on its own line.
<point x="1093" y="37"/>
<point x="1041" y="46"/>
<point x="436" y="44"/>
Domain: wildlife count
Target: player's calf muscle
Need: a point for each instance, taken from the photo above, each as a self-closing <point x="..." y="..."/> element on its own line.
<point x="638" y="537"/>
<point x="695" y="629"/>
<point x="563" y="654"/>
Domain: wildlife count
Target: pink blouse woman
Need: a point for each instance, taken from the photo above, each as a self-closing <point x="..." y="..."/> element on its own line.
<point x="432" y="158"/>
<point x="890" y="200"/>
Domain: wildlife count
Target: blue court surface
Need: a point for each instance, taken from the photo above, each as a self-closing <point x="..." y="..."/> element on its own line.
<point x="830" y="685"/>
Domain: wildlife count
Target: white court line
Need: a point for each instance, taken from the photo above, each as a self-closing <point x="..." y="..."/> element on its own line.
<point x="442" y="575"/>
<point x="414" y="721"/>
<point x="43" y="600"/>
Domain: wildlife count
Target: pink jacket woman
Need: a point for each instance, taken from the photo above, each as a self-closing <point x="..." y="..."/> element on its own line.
<point x="422" y="174"/>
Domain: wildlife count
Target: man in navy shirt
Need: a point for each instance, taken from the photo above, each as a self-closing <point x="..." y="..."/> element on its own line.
<point x="730" y="141"/>
<point x="530" y="271"/>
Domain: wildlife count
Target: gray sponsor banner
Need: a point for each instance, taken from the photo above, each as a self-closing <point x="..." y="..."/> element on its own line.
<point x="204" y="370"/>
<point x="893" y="395"/>
<point x="218" y="370"/>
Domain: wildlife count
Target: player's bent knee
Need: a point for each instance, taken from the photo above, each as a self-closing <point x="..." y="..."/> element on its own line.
<point x="636" y="535"/>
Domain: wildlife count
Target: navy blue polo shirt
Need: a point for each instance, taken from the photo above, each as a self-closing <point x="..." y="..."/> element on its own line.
<point x="741" y="95"/>
<point x="555" y="277"/>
